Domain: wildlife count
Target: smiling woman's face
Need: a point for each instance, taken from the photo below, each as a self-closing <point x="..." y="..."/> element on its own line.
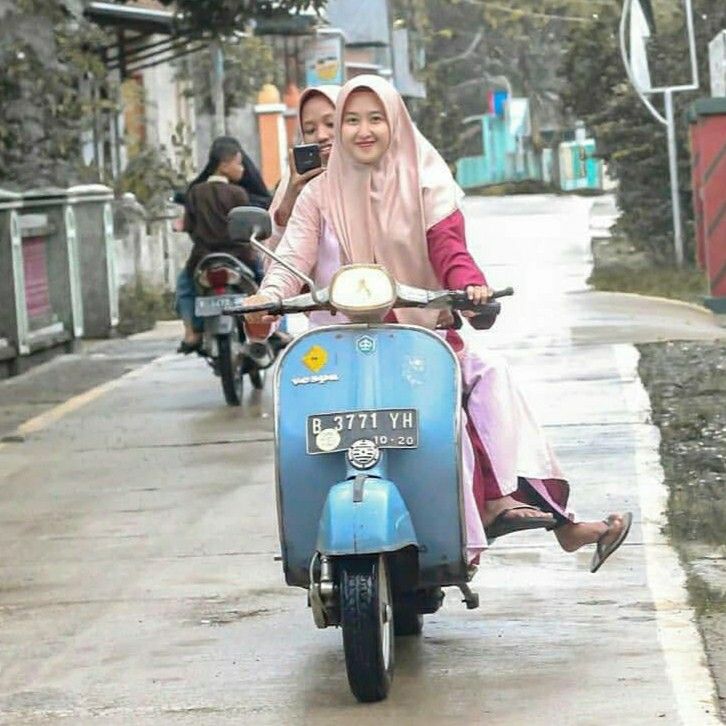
<point x="318" y="124"/>
<point x="365" y="131"/>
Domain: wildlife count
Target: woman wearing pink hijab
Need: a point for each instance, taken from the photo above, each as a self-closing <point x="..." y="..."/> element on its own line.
<point x="388" y="197"/>
<point x="316" y="125"/>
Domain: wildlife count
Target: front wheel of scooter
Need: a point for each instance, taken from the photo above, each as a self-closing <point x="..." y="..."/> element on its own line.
<point x="366" y="616"/>
<point x="407" y="621"/>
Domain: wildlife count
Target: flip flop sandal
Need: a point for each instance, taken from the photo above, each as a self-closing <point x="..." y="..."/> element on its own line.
<point x="603" y="551"/>
<point x="506" y="525"/>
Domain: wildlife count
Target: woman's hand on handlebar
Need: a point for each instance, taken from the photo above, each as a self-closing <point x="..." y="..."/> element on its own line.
<point x="478" y="294"/>
<point x="260" y="318"/>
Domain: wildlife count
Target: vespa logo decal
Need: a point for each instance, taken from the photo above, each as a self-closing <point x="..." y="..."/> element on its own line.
<point x="320" y="378"/>
<point x="366" y="344"/>
<point x="315" y="358"/>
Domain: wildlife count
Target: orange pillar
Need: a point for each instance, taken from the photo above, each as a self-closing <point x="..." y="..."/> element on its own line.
<point x="273" y="135"/>
<point x="291" y="98"/>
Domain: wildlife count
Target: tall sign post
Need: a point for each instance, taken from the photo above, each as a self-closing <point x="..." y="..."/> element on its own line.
<point x="636" y="66"/>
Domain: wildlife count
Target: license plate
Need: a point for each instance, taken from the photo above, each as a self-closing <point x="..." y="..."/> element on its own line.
<point x="388" y="428"/>
<point x="205" y="307"/>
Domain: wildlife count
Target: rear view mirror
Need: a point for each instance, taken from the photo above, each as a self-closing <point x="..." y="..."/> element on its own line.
<point x="243" y="222"/>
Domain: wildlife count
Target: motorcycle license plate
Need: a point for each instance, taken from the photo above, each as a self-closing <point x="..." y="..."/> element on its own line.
<point x="388" y="428"/>
<point x="205" y="307"/>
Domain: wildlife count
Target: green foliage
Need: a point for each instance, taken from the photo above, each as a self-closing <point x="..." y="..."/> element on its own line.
<point x="629" y="139"/>
<point x="48" y="61"/>
<point x="141" y="304"/>
<point x="672" y="282"/>
<point x="183" y="144"/>
<point x="150" y="176"/>
<point x="220" y="17"/>
<point x="248" y="63"/>
<point x="473" y="47"/>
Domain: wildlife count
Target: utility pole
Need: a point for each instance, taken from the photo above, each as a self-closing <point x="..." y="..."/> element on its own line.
<point x="217" y="87"/>
<point x="673" y="169"/>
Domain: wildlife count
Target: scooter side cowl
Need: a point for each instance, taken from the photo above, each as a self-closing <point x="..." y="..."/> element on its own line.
<point x="364" y="516"/>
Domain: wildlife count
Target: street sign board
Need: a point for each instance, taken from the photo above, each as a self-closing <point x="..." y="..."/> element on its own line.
<point x="324" y="63"/>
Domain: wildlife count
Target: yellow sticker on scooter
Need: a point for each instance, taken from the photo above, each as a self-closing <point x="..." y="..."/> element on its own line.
<point x="316" y="358"/>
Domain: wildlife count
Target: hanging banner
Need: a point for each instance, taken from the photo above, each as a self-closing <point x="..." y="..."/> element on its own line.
<point x="324" y="63"/>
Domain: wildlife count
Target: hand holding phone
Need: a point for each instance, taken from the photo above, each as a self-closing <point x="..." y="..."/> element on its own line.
<point x="306" y="157"/>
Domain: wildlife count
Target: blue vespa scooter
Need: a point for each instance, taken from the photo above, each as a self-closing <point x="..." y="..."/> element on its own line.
<point x="368" y="461"/>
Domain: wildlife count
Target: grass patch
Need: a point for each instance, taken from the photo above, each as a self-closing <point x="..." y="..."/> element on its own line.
<point x="141" y="304"/>
<point x="687" y="284"/>
<point x="706" y="600"/>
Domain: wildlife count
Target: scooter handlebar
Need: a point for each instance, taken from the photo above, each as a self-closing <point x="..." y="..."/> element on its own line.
<point x="486" y="313"/>
<point x="272" y="308"/>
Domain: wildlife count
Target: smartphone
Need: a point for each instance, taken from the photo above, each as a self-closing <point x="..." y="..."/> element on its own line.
<point x="306" y="157"/>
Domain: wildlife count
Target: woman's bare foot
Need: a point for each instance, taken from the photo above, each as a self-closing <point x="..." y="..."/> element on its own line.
<point x="573" y="536"/>
<point x="494" y="507"/>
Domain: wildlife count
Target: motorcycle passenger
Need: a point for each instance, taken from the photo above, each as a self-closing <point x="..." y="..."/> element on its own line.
<point x="388" y="197"/>
<point x="208" y="200"/>
<point x="316" y="125"/>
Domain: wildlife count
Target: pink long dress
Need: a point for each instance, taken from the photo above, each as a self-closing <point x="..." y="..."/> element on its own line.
<point x="505" y="450"/>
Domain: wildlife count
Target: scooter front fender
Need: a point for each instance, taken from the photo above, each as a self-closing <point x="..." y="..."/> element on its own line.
<point x="364" y="516"/>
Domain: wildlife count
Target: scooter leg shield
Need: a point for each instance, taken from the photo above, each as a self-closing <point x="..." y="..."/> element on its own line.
<point x="362" y="516"/>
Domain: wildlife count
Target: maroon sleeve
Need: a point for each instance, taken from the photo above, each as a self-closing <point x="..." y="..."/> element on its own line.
<point x="450" y="258"/>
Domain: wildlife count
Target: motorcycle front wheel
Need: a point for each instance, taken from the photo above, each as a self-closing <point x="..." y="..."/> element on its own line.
<point x="257" y="377"/>
<point x="229" y="371"/>
<point x="366" y="616"/>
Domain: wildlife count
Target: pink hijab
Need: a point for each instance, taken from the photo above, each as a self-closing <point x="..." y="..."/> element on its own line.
<point x="331" y="93"/>
<point x="382" y="213"/>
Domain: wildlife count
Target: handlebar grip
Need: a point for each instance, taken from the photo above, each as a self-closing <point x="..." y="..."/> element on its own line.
<point x="273" y="308"/>
<point x="505" y="292"/>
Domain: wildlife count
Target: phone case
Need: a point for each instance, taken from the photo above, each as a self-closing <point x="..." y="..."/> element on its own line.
<point x="306" y="157"/>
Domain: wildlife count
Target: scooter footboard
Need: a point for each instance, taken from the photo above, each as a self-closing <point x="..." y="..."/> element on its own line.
<point x="362" y="516"/>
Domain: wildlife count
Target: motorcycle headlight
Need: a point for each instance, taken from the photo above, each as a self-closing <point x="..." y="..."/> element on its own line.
<point x="362" y="290"/>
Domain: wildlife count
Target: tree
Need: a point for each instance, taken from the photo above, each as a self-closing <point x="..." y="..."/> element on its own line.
<point x="629" y="139"/>
<point x="474" y="46"/>
<point x="221" y="17"/>
<point x="248" y="64"/>
<point x="46" y="103"/>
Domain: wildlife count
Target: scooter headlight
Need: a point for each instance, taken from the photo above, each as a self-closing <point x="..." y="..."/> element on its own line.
<point x="362" y="290"/>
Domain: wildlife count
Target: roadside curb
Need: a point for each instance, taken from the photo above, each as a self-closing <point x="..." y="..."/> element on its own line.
<point x="655" y="298"/>
<point x="682" y="645"/>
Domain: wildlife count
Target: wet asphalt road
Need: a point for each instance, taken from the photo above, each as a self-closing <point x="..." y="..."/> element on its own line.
<point x="138" y="581"/>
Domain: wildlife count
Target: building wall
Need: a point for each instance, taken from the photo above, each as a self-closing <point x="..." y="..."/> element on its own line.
<point x="166" y="107"/>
